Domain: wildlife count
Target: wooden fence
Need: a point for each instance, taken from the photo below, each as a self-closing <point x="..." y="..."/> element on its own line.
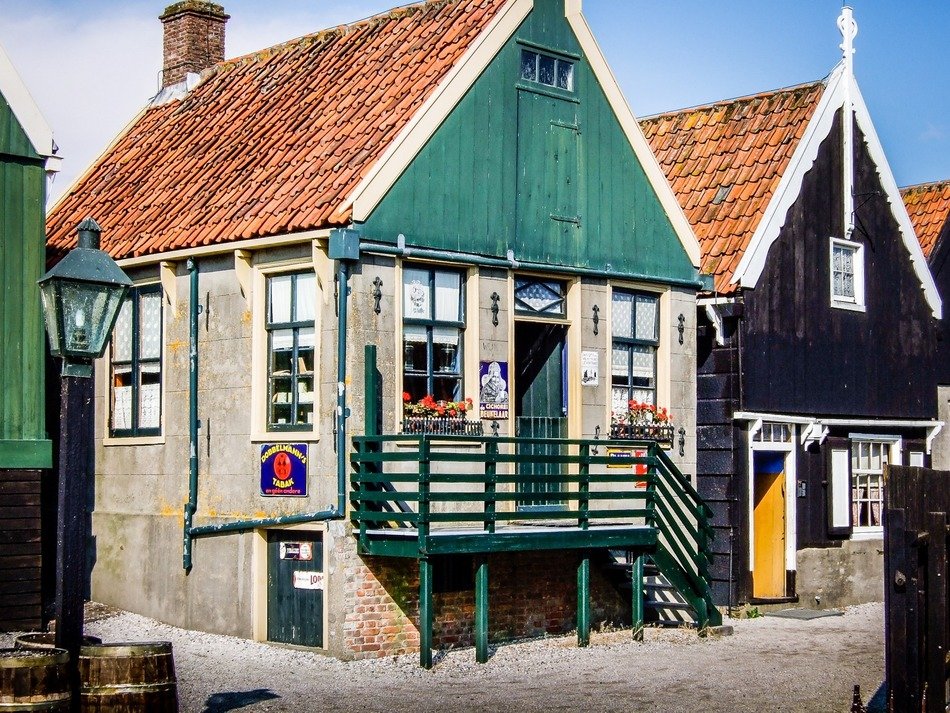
<point x="917" y="502"/>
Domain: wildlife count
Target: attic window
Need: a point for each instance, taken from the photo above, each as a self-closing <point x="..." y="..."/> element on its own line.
<point x="547" y="70"/>
<point x="721" y="194"/>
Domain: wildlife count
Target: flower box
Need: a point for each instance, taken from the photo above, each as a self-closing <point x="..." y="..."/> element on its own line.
<point x="660" y="432"/>
<point x="441" y="426"/>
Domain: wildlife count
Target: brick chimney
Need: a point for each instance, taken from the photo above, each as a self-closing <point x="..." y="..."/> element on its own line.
<point x="194" y="38"/>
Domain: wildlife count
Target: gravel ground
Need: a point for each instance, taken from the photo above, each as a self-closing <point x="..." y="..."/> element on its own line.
<point x="769" y="664"/>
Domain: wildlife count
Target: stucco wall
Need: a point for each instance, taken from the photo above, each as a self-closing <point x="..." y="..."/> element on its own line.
<point x="841" y="576"/>
<point x="142" y="484"/>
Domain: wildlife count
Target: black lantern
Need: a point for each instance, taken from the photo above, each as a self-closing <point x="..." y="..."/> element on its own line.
<point x="81" y="299"/>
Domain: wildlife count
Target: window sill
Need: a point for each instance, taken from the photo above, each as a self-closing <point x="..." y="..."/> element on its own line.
<point x="285" y="437"/>
<point x="133" y="441"/>
<point x="867" y="533"/>
<point x="849" y="306"/>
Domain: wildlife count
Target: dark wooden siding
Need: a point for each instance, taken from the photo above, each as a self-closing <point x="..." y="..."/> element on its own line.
<point x="20" y="550"/>
<point x="721" y="456"/>
<point x="801" y="355"/>
<point x="940" y="267"/>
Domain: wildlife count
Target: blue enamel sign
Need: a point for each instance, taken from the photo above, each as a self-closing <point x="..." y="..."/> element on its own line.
<point x="284" y="469"/>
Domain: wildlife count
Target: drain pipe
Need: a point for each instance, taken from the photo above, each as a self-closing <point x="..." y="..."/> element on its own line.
<point x="192" y="505"/>
<point x="344" y="247"/>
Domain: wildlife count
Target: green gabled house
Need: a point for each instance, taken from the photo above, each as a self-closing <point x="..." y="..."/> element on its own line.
<point x="443" y="287"/>
<point x="26" y="158"/>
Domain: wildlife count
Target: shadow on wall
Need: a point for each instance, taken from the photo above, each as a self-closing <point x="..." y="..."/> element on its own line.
<point x="232" y="700"/>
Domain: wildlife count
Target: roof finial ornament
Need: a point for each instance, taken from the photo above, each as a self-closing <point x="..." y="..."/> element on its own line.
<point x="849" y="30"/>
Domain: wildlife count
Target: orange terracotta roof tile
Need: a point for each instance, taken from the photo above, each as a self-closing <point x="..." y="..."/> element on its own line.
<point x="272" y="142"/>
<point x="741" y="146"/>
<point x="929" y="207"/>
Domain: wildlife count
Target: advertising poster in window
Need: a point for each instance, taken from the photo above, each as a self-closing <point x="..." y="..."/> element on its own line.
<point x="622" y="457"/>
<point x="493" y="389"/>
<point x="284" y="469"/>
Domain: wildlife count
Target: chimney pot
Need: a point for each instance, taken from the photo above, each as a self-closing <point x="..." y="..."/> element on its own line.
<point x="194" y="38"/>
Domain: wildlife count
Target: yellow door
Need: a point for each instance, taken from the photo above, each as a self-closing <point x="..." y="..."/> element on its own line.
<point x="768" y="519"/>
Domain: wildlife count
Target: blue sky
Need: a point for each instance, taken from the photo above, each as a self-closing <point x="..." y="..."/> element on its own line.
<point x="92" y="64"/>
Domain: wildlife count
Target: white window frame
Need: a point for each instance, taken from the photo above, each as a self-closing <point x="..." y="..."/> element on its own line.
<point x="837" y="301"/>
<point x="259" y="354"/>
<point x="109" y="438"/>
<point x="892" y="444"/>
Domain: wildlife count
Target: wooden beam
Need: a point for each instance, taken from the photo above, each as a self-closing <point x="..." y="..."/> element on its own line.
<point x="636" y="589"/>
<point x="425" y="613"/>
<point x="583" y="601"/>
<point x="481" y="611"/>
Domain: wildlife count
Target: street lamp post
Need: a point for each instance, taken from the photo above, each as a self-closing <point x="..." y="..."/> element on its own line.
<point x="81" y="296"/>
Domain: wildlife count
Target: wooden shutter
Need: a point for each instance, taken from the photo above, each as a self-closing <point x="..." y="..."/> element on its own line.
<point x="838" y="478"/>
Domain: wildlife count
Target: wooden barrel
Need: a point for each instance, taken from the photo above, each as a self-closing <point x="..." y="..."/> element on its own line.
<point x="128" y="678"/>
<point x="34" y="680"/>
<point x="46" y="640"/>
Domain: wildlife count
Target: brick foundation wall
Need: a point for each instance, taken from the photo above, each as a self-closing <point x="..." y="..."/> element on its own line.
<point x="530" y="594"/>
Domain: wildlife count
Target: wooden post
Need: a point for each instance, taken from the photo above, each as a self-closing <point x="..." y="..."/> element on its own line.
<point x="481" y="610"/>
<point x="636" y="589"/>
<point x="425" y="613"/>
<point x="75" y="458"/>
<point x="491" y="484"/>
<point x="935" y="655"/>
<point x="583" y="601"/>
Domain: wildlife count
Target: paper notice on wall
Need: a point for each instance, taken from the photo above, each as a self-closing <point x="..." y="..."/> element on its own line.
<point x="308" y="580"/>
<point x="590" y="368"/>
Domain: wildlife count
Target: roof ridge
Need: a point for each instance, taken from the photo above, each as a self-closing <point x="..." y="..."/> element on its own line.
<point x="329" y="32"/>
<point x="736" y="100"/>
<point x="926" y="185"/>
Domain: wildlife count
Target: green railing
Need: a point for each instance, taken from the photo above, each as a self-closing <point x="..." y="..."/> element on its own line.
<point x="444" y="484"/>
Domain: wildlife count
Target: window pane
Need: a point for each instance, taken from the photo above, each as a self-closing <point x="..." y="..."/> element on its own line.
<point x="448" y="290"/>
<point x="447" y="389"/>
<point x="306" y="337"/>
<point x="529" y="65"/>
<point x="415" y="349"/>
<point x="150" y="325"/>
<point x="546" y="70"/>
<point x="619" y="396"/>
<point x="150" y="396"/>
<point x="281" y="339"/>
<point x="306" y="306"/>
<point x="539" y="296"/>
<point x="279" y="293"/>
<point x="416" y="298"/>
<point x="646" y="317"/>
<point x="122" y="334"/>
<point x="446" y="355"/>
<point x="565" y="75"/>
<point x="415" y="386"/>
<point x="621" y="314"/>
<point x="644" y="364"/>
<point x="620" y="362"/>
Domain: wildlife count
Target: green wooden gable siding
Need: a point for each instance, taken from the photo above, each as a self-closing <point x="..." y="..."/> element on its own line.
<point x="23" y="442"/>
<point x="546" y="173"/>
<point x="13" y="139"/>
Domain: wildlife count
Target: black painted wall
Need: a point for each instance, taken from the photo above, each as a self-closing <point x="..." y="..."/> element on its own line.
<point x="801" y="356"/>
<point x="940" y="268"/>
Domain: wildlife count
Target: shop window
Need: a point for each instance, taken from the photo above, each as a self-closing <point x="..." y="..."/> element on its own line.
<point x="635" y="321"/>
<point x="136" y="365"/>
<point x="433" y="323"/>
<point x="291" y="350"/>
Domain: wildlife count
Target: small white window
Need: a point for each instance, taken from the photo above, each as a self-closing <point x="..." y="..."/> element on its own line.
<point x="847" y="274"/>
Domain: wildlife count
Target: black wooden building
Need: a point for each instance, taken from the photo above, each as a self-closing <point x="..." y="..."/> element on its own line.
<point x="816" y="351"/>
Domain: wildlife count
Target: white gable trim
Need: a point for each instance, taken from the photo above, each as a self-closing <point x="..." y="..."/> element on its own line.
<point x="898" y="208"/>
<point x="429" y="117"/>
<point x="25" y="109"/>
<point x="841" y="88"/>
<point x="632" y="130"/>
<point x="790" y="185"/>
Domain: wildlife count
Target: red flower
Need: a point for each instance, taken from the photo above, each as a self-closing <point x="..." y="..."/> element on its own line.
<point x="406" y="397"/>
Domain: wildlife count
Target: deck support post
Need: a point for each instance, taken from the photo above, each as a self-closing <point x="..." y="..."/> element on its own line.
<point x="636" y="589"/>
<point x="583" y="600"/>
<point x="425" y="613"/>
<point x="481" y="610"/>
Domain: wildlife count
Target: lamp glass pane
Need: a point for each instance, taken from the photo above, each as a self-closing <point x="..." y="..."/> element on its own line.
<point x="51" y="315"/>
<point x="87" y="317"/>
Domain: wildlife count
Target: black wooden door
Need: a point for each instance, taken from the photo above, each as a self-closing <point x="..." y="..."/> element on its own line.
<point x="540" y="408"/>
<point x="295" y="587"/>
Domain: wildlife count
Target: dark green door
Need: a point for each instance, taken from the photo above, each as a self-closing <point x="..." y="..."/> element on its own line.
<point x="540" y="408"/>
<point x="295" y="587"/>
